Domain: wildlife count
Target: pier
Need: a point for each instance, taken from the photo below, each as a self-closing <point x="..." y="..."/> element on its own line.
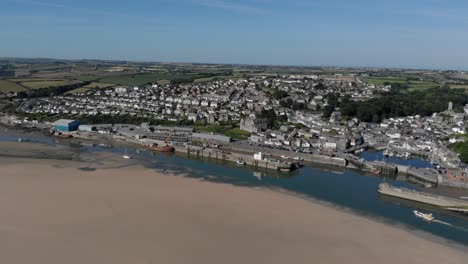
<point x="447" y="203"/>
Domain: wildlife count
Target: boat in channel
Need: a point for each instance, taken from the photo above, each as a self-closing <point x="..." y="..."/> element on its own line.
<point x="426" y="217"/>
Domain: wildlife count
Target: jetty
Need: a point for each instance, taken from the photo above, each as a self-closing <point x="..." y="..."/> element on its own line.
<point x="447" y="203"/>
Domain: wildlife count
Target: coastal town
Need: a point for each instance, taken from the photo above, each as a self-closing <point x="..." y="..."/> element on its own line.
<point x="278" y="119"/>
<point x="233" y="131"/>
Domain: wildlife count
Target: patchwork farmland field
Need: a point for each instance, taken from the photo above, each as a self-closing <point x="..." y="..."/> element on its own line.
<point x="44" y="83"/>
<point x="93" y="85"/>
<point x="7" y="86"/>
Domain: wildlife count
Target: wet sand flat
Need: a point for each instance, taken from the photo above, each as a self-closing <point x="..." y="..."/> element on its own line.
<point x="57" y="212"/>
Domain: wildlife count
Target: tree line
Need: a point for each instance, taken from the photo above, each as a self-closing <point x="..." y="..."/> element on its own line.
<point x="394" y="104"/>
<point x="51" y="90"/>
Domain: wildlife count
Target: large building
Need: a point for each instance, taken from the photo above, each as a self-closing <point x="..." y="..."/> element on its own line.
<point x="253" y="124"/>
<point x="66" y="125"/>
<point x="210" y="137"/>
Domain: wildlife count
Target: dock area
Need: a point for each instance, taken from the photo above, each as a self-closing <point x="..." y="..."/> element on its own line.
<point x="447" y="203"/>
<point x="266" y="162"/>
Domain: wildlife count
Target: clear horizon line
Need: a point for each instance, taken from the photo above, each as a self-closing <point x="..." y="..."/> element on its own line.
<point x="244" y="64"/>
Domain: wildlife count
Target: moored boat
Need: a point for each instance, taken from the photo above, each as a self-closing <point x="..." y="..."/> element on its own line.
<point x="158" y="148"/>
<point x="61" y="135"/>
<point x="240" y="162"/>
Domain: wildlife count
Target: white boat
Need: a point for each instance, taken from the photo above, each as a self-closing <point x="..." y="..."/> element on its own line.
<point x="407" y="156"/>
<point x="126" y="157"/>
<point x="298" y="158"/>
<point x="284" y="157"/>
<point x="427" y="217"/>
<point x="240" y="162"/>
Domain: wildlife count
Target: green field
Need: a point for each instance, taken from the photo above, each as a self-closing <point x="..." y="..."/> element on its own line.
<point x="220" y="77"/>
<point x="133" y="80"/>
<point x="88" y="78"/>
<point x="237" y="133"/>
<point x="413" y="85"/>
<point x="234" y="133"/>
<point x="382" y="80"/>
<point x="164" y="82"/>
<point x="93" y="85"/>
<point x="6" y="87"/>
<point x="21" y="80"/>
<point x="459" y="86"/>
<point x="43" y="84"/>
<point x="421" y="85"/>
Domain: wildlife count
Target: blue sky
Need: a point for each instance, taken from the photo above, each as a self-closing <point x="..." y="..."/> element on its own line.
<point x="395" y="33"/>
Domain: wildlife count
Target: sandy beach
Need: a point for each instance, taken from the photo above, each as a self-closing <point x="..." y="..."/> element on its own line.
<point x="117" y="211"/>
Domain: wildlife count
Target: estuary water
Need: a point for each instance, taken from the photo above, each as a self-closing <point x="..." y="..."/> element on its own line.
<point x="345" y="189"/>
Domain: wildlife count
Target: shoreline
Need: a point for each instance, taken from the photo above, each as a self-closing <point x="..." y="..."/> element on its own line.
<point x="108" y="174"/>
<point x="335" y="206"/>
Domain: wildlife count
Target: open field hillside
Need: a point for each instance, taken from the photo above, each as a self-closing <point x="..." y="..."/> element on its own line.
<point x="44" y="83"/>
<point x="93" y="85"/>
<point x="413" y="85"/>
<point x="7" y="86"/>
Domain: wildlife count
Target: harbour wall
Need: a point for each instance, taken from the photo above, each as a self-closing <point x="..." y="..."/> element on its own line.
<point x="426" y="198"/>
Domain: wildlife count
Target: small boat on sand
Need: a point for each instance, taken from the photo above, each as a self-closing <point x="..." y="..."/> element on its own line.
<point x="427" y="217"/>
<point x="126" y="157"/>
<point x="61" y="135"/>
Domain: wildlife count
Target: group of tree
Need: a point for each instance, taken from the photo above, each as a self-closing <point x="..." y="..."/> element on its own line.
<point x="394" y="104"/>
<point x="52" y="90"/>
<point x="280" y="94"/>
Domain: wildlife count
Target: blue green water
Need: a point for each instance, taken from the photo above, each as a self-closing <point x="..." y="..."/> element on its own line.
<point x="378" y="155"/>
<point x="345" y="189"/>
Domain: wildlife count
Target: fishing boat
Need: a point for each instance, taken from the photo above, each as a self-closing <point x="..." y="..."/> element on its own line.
<point x="126" y="157"/>
<point x="167" y="148"/>
<point x="427" y="217"/>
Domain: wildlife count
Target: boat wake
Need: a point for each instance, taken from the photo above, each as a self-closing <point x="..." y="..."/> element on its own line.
<point x="449" y="224"/>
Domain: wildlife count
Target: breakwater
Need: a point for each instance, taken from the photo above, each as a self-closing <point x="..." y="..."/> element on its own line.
<point x="426" y="198"/>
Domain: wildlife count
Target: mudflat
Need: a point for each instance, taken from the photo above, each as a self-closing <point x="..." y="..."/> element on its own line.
<point x="117" y="211"/>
